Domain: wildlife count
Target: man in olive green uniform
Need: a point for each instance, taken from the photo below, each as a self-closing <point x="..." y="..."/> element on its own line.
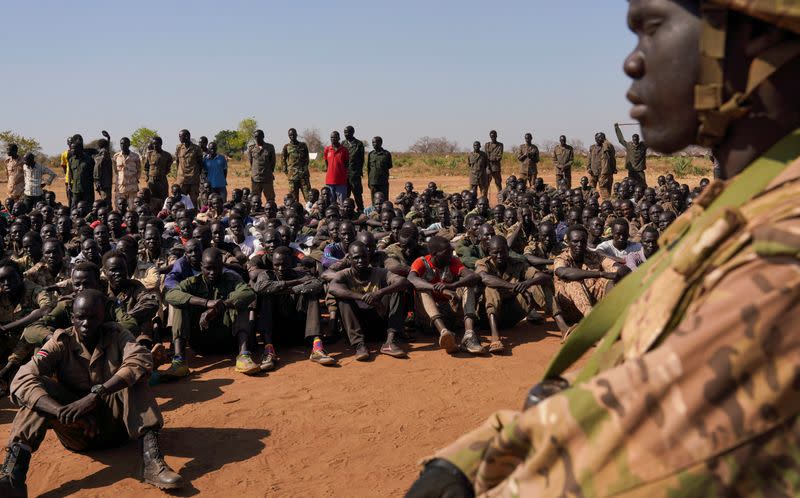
<point x="494" y="151"/>
<point x="692" y="390"/>
<point x="81" y="167"/>
<point x="294" y="159"/>
<point x="602" y="164"/>
<point x="157" y="164"/>
<point x="528" y="157"/>
<point x="379" y="162"/>
<point x="563" y="156"/>
<point x="355" y="166"/>
<point x="261" y="156"/>
<point x="189" y="158"/>
<point x="478" y="164"/>
<point x="635" y="157"/>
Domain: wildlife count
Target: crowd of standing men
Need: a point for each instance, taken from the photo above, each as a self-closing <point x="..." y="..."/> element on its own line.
<point x="100" y="291"/>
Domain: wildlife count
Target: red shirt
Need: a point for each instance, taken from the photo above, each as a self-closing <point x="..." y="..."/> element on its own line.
<point x="423" y="266"/>
<point x="336" y="161"/>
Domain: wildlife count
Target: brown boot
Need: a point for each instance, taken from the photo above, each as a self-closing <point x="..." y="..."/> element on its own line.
<point x="155" y="470"/>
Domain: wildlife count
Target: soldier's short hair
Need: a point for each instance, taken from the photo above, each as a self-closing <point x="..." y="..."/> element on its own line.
<point x="11" y="264"/>
<point x="87" y="266"/>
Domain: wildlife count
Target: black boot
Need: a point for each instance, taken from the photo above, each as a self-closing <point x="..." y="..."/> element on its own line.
<point x="155" y="470"/>
<point x="13" y="472"/>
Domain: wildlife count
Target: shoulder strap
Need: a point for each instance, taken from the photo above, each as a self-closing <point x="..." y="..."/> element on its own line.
<point x="608" y="316"/>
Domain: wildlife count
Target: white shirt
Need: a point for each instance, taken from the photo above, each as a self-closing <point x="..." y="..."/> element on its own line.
<point x="607" y="248"/>
<point x="249" y="246"/>
<point x="185" y="199"/>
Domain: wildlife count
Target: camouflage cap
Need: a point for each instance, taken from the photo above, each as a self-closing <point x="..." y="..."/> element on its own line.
<point x="714" y="111"/>
<point x="782" y="13"/>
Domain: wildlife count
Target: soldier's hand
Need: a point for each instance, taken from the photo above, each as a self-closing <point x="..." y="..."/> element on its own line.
<point x="69" y="414"/>
<point x="216" y="304"/>
<point x="440" y="287"/>
<point x="521" y="287"/>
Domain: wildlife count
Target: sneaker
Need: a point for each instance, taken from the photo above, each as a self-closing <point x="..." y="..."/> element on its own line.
<point x="471" y="344"/>
<point x="177" y="369"/>
<point x="269" y="359"/>
<point x="447" y="341"/>
<point x="362" y="354"/>
<point x="246" y="365"/>
<point x="320" y="356"/>
<point x="392" y="349"/>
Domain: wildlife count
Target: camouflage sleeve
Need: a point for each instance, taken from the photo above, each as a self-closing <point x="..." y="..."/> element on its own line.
<point x="715" y="402"/>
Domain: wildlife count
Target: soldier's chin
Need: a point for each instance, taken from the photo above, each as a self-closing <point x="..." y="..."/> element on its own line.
<point x="666" y="137"/>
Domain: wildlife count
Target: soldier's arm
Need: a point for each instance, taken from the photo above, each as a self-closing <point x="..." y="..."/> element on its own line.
<point x="45" y="306"/>
<point x="241" y="296"/>
<point x="569" y="274"/>
<point x="284" y="161"/>
<point x="466" y="278"/>
<point x="145" y="308"/>
<point x="570" y="157"/>
<point x="492" y="281"/>
<point x="620" y="137"/>
<point x="339" y="290"/>
<point x="137" y="362"/>
<point x="27" y="388"/>
<point x="397" y="267"/>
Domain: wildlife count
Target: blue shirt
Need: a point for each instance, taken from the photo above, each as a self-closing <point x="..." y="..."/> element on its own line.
<point x="215" y="169"/>
<point x="181" y="270"/>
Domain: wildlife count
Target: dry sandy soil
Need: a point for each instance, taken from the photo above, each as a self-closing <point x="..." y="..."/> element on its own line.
<point x="357" y="430"/>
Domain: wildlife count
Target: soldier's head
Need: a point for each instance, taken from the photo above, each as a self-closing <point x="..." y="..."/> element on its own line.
<point x="562" y="140"/>
<point x="635" y="139"/>
<point x="599" y="138"/>
<point x="157" y="143"/>
<point x="91" y="251"/>
<point x="11" y="282"/>
<point x="482" y="205"/>
<point x="492" y="135"/>
<point x="347" y="233"/>
<point x="236" y="225"/>
<point x="574" y="216"/>
<point x="102" y="236"/>
<point x="377" y="143"/>
<point x="76" y="145"/>
<point x="152" y="239"/>
<point x="348" y="208"/>
<point x="184" y="137"/>
<point x="125" y="145"/>
<point x="441" y="251"/>
<point x="497" y="212"/>
<point x="485" y="232"/>
<point x="203" y="234"/>
<point x="212" y="148"/>
<point x="386" y="219"/>
<point x="211" y="265"/>
<point x="292" y="133"/>
<point x="32" y="246"/>
<point x="12" y="150"/>
<point x="596" y="228"/>
<point x="584" y="182"/>
<point x="194" y="252"/>
<point x="29" y="159"/>
<point x="547" y="235"/>
<point x="476" y="146"/>
<point x="114" y="222"/>
<point x="258" y="136"/>
<point x="498" y="250"/>
<point x="395" y="225"/>
<point x="48" y="232"/>
<point x="378" y="198"/>
<point x="349" y="131"/>
<point x="408" y="236"/>
<point x="509" y="216"/>
<point x="577" y="237"/>
<point x="528" y="138"/>
<point x="620" y="232"/>
<point x="443" y="214"/>
<point x="335" y="138"/>
<point x="626" y="209"/>
<point x="85" y="275"/>
<point x="115" y="266"/>
<point x="649" y="241"/>
<point x="203" y="143"/>
<point x="408" y="187"/>
<point x="665" y="219"/>
<point x="282" y="261"/>
<point x="88" y="315"/>
<point x="458" y="220"/>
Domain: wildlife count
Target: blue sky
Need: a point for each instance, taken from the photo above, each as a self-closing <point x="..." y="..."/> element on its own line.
<point x="400" y="70"/>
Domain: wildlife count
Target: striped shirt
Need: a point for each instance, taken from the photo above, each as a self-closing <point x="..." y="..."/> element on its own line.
<point x="34" y="177"/>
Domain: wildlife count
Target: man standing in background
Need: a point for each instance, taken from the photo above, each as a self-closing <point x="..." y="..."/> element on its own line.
<point x="379" y="162"/>
<point x="16" y="175"/>
<point x="563" y="155"/>
<point x="189" y="158"/>
<point x="128" y="167"/>
<point x="494" y="150"/>
<point x="261" y="156"/>
<point x="528" y="157"/>
<point x="157" y="164"/>
<point x="294" y="159"/>
<point x="635" y="157"/>
<point x="81" y="167"/>
<point x="336" y="160"/>
<point x="355" y="166"/>
<point x="216" y="170"/>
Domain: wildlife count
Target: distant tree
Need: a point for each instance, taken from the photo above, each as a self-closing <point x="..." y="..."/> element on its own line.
<point x="230" y="143"/>
<point x="140" y="139"/>
<point x="547" y="146"/>
<point x="578" y="146"/>
<point x="247" y="127"/>
<point x="24" y="144"/>
<point x="313" y="140"/>
<point x="433" y="145"/>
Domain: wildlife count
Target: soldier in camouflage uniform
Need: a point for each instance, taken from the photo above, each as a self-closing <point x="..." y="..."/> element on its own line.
<point x="128" y="168"/>
<point x="261" y="156"/>
<point x="157" y="164"/>
<point x="15" y="172"/>
<point x="528" y="157"/>
<point x="189" y="158"/>
<point x="379" y="162"/>
<point x="692" y="390"/>
<point x="294" y="159"/>
<point x="355" y="166"/>
<point x="494" y="151"/>
<point x="478" y="164"/>
<point x="563" y="156"/>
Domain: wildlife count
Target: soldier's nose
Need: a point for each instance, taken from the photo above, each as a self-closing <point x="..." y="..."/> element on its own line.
<point x="634" y="65"/>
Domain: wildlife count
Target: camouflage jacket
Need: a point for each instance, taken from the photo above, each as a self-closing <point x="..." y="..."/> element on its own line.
<point x="294" y="159"/>
<point x="699" y="397"/>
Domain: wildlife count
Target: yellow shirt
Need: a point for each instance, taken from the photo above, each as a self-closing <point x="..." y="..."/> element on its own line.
<point x="65" y="165"/>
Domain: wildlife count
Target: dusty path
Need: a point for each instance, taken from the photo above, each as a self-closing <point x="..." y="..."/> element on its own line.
<point x="306" y="430"/>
